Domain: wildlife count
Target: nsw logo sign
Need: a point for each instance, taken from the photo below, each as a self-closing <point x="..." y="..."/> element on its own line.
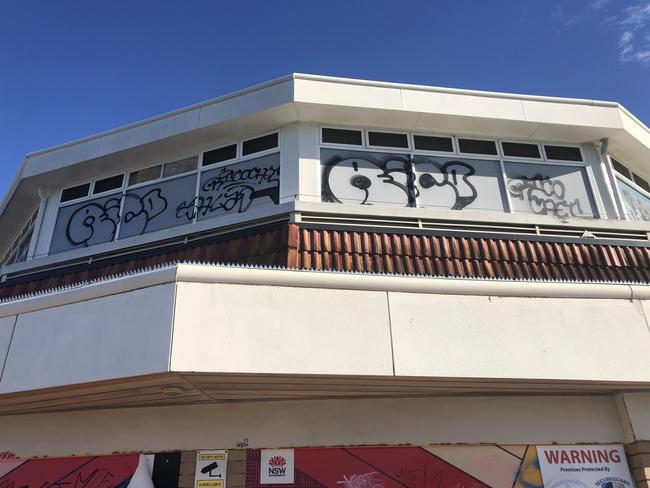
<point x="276" y="466"/>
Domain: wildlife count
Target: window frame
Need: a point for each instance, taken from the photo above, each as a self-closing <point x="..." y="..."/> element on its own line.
<point x="408" y="147"/>
<point x="590" y="184"/>
<point x="497" y="146"/>
<point x="125" y="188"/>
<point x="338" y="144"/>
<point x="563" y="161"/>
<point x="629" y="182"/>
<point x="534" y="143"/>
<point x="454" y="144"/>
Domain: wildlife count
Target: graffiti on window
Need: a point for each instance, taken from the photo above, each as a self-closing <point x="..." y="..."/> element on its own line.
<point x="236" y="188"/>
<point x="545" y="196"/>
<point x="560" y="191"/>
<point x="455" y="175"/>
<point x="366" y="178"/>
<point x="637" y="205"/>
<point x="227" y="189"/>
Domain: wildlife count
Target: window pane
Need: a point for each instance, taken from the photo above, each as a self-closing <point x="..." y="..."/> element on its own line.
<point x="475" y="146"/>
<point x="457" y="184"/>
<point x="637" y="205"/>
<point x="108" y="184"/>
<point x="86" y="223"/>
<point x="641" y="182"/>
<point x="430" y="143"/>
<point x="238" y="187"/>
<point x="158" y="206"/>
<point x="218" y="155"/>
<point x="520" y="150"/>
<point x="260" y="144"/>
<point x="179" y="167"/>
<point x="387" y="139"/>
<point x="561" y="191"/>
<point x="143" y="175"/>
<point x="562" y="153"/>
<point x="75" y="192"/>
<point x="366" y="178"/>
<point x="621" y="169"/>
<point x="342" y="136"/>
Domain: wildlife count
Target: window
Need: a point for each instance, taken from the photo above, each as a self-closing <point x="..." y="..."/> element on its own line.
<point x="477" y="146"/>
<point x="641" y="182"/>
<point x="520" y="150"/>
<point x="179" y="167"/>
<point x="219" y="155"/>
<point x="453" y="173"/>
<point x="342" y="136"/>
<point x="563" y="153"/>
<point x="548" y="190"/>
<point x="108" y="184"/>
<point x="431" y="143"/>
<point x="17" y="253"/>
<point x="637" y="205"/>
<point x="169" y="195"/>
<point x="388" y="139"/>
<point x="143" y="175"/>
<point x="260" y="144"/>
<point x="455" y="184"/>
<point x="75" y="192"/>
<point x="618" y="167"/>
<point x="355" y="177"/>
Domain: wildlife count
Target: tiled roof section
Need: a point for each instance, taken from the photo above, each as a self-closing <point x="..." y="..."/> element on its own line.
<point x="470" y="257"/>
<point x="265" y="247"/>
<point x="383" y="252"/>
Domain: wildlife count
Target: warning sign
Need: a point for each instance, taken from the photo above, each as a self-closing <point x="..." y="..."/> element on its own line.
<point x="211" y="469"/>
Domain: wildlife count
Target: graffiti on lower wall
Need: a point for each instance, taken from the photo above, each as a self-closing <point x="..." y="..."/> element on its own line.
<point x="408" y="467"/>
<point x="73" y="472"/>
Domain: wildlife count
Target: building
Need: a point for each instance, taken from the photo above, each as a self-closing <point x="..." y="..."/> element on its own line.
<point x="396" y="285"/>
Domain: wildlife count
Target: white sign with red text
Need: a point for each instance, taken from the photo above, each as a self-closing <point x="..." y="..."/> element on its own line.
<point x="276" y="466"/>
<point x="591" y="466"/>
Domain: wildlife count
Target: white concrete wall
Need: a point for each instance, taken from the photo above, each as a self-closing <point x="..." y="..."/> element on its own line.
<point x="241" y="328"/>
<point x="120" y="335"/>
<point x="510" y="337"/>
<point x="271" y="329"/>
<point x="504" y="420"/>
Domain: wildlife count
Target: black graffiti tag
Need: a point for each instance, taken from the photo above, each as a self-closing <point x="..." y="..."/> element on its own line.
<point x="455" y="174"/>
<point x="545" y="196"/>
<point x="92" y="219"/>
<point x="367" y="182"/>
<point x="149" y="206"/>
<point x="232" y="190"/>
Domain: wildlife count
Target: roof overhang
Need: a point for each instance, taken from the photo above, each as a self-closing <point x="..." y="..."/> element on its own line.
<point x="328" y="100"/>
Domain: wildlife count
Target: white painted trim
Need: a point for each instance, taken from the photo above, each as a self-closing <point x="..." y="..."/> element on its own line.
<point x="194" y="273"/>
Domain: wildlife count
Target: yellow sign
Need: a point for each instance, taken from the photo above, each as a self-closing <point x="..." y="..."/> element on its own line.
<point x="211" y="469"/>
<point x="210" y="484"/>
<point x="212" y="457"/>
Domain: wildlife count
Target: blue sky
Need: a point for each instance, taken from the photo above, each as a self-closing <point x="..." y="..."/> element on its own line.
<point x="69" y="69"/>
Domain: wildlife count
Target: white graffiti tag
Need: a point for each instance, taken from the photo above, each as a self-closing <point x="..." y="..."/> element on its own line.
<point x="367" y="480"/>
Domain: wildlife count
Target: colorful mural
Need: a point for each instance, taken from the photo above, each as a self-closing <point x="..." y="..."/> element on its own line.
<point x="409" y="467"/>
<point x="77" y="472"/>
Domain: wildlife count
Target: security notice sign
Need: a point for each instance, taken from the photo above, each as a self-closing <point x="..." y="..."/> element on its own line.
<point x="584" y="466"/>
<point x="276" y="466"/>
<point x="211" y="469"/>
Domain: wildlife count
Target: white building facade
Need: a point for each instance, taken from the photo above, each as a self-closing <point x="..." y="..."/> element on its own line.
<point x="322" y="282"/>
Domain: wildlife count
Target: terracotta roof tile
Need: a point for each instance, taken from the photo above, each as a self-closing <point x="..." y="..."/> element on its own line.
<point x="387" y="252"/>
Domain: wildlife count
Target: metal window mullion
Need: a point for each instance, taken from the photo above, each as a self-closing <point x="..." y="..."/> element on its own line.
<point x="197" y="187"/>
<point x="504" y="179"/>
